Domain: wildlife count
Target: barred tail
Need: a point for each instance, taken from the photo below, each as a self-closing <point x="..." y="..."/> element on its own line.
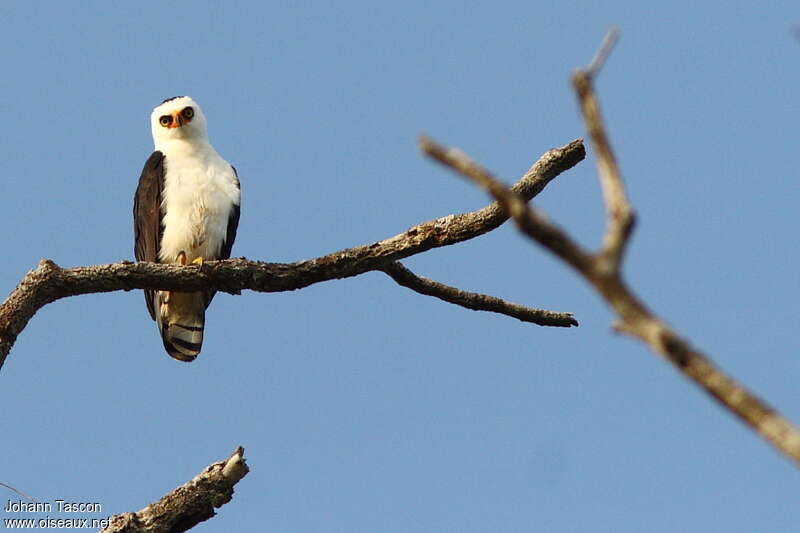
<point x="181" y="320"/>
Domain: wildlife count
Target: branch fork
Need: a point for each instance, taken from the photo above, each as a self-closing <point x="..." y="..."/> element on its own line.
<point x="49" y="282"/>
<point x="603" y="269"/>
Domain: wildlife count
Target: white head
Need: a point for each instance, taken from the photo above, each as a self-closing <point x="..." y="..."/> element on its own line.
<point x="178" y="118"/>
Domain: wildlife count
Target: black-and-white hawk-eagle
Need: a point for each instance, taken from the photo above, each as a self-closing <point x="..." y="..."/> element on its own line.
<point x="186" y="210"/>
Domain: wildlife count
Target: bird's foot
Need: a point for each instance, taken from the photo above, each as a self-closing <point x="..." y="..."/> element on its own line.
<point x="182" y="258"/>
<point x="198" y="261"/>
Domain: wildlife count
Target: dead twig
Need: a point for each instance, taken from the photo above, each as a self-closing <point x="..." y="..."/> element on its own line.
<point x="475" y="301"/>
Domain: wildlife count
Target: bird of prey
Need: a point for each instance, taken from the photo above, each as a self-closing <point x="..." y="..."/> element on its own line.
<point x="186" y="210"/>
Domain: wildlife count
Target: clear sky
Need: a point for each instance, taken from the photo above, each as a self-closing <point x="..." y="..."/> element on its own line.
<point x="364" y="407"/>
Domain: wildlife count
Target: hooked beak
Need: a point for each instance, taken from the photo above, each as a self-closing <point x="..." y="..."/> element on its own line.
<point x="177" y="120"/>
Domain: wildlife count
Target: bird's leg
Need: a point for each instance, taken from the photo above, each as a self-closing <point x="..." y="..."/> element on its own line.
<point x="198" y="261"/>
<point x="181" y="261"/>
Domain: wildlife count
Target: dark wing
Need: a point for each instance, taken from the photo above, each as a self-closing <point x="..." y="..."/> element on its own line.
<point x="233" y="225"/>
<point x="147" y="227"/>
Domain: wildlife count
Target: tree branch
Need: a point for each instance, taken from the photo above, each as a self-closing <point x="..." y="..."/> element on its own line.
<point x="511" y="202"/>
<point x="187" y="505"/>
<point x="603" y="271"/>
<point x="475" y="301"/>
<point x="621" y="217"/>
<point x="49" y="282"/>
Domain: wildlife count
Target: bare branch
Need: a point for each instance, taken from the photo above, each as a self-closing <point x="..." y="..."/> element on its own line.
<point x="621" y="217"/>
<point x="538" y="227"/>
<point x="475" y="301"/>
<point x="603" y="271"/>
<point x="187" y="505"/>
<point x="49" y="282"/>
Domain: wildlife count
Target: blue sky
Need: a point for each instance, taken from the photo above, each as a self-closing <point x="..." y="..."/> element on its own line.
<point x="363" y="406"/>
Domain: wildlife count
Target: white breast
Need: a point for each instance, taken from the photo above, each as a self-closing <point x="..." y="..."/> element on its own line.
<point x="200" y="190"/>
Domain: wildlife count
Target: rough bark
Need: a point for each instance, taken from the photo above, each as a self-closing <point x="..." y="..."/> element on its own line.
<point x="49" y="282"/>
<point x="474" y="301"/>
<point x="188" y="505"/>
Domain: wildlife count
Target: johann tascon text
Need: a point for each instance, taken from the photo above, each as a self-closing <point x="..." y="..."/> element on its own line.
<point x="53" y="522"/>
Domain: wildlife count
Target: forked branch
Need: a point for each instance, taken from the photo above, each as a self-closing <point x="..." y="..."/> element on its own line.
<point x="602" y="269"/>
<point x="49" y="282"/>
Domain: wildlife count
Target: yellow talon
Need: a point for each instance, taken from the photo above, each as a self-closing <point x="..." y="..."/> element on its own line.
<point x="182" y="258"/>
<point x="198" y="261"/>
